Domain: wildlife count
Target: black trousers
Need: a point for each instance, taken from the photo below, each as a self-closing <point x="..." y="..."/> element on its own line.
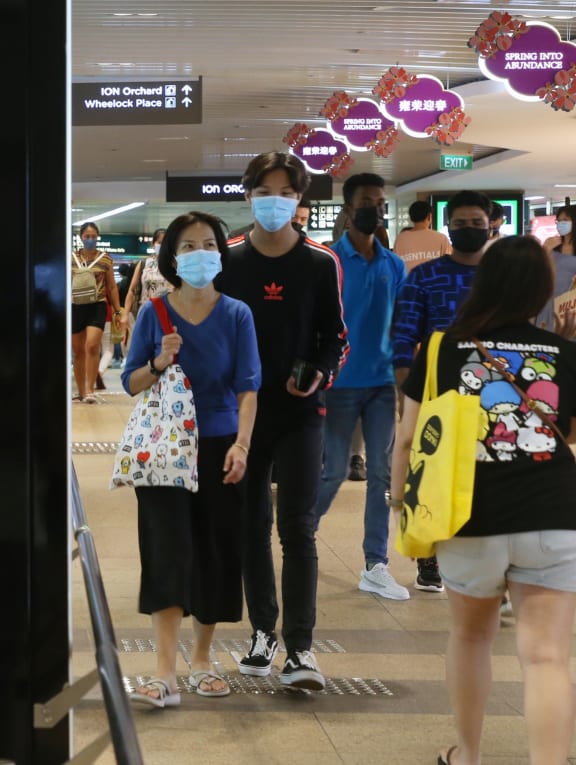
<point x="190" y="544"/>
<point x="295" y="447"/>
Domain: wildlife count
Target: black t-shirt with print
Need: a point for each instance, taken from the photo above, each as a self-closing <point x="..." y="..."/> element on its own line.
<point x="525" y="476"/>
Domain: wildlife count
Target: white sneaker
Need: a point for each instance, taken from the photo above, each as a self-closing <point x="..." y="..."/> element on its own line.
<point x="506" y="607"/>
<point x="381" y="581"/>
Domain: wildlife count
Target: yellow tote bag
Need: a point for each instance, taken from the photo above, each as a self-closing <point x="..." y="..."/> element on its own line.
<point x="440" y="479"/>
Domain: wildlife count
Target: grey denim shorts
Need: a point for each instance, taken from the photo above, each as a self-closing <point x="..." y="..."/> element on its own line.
<point x="482" y="566"/>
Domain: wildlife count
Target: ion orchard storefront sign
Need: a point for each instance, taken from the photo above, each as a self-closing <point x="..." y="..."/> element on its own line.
<point x="529" y="57"/>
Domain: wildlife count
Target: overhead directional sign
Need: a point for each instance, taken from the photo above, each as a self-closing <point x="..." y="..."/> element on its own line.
<point x="170" y="102"/>
<point x="455" y="162"/>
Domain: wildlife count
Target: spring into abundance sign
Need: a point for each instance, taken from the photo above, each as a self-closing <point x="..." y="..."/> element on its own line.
<point x="529" y="57"/>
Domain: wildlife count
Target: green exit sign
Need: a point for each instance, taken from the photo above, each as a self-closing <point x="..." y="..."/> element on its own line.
<point x="455" y="162"/>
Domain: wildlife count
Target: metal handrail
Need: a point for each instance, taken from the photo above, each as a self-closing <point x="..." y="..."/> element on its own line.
<point x="120" y="722"/>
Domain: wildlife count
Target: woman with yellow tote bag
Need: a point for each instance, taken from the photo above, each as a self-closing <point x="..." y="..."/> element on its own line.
<point x="521" y="533"/>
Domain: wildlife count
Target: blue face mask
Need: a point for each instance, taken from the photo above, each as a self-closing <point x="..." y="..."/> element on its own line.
<point x="564" y="227"/>
<point x="89" y="243"/>
<point x="199" y="267"/>
<point x="273" y="213"/>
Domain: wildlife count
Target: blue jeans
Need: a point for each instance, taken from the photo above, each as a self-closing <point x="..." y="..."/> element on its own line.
<point x="377" y="409"/>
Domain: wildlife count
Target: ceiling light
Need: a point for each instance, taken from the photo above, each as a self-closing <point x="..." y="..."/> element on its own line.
<point x="173" y="138"/>
<point x="147" y="14"/>
<point x="529" y="199"/>
<point x="110" y="213"/>
<point x="122" y="14"/>
<point x="565" y="185"/>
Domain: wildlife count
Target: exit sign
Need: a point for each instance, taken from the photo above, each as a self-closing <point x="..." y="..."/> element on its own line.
<point x="455" y="162"/>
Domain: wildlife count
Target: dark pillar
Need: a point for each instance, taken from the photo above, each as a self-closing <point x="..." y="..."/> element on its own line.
<point x="34" y="639"/>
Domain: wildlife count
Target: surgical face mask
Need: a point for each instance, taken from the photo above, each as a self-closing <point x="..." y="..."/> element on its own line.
<point x="564" y="227"/>
<point x="199" y="267"/>
<point x="468" y="239"/>
<point x="273" y="213"/>
<point x="157" y="249"/>
<point x="366" y="219"/>
<point x="89" y="243"/>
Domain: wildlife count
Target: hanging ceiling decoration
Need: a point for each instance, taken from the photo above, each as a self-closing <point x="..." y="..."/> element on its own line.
<point x="529" y="57"/>
<point x="417" y="105"/>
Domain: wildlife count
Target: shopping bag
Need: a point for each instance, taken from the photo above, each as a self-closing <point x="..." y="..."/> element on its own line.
<point x="159" y="446"/>
<point x="116" y="329"/>
<point x="440" y="479"/>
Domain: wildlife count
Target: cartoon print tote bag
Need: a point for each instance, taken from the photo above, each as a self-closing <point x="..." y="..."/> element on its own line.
<point x="159" y="446"/>
<point x="440" y="480"/>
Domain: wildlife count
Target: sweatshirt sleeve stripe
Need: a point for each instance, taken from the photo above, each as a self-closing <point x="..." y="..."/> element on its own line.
<point x="343" y="334"/>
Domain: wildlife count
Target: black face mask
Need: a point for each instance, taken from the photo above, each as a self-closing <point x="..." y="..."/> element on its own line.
<point x="297" y="226"/>
<point x="366" y="219"/>
<point x="468" y="239"/>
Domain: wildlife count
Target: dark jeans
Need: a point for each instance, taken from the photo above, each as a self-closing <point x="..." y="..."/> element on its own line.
<point x="295" y="446"/>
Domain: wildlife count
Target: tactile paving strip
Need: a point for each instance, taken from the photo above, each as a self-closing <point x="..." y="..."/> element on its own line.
<point x="271" y="685"/>
<point x="94" y="447"/>
<point x="231" y="646"/>
<point x="243" y="684"/>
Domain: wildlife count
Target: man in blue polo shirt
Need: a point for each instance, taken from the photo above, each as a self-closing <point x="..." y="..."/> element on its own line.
<point x="365" y="388"/>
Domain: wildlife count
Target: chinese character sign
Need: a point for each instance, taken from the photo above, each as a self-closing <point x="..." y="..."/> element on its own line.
<point x="320" y="151"/>
<point x="422" y="105"/>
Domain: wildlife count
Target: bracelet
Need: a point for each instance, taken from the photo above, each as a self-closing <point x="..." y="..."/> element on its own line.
<point x="392" y="502"/>
<point x="241" y="446"/>
<point x="117" y="313"/>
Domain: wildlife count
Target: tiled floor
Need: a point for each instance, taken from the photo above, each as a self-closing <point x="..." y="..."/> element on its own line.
<point x="386" y="702"/>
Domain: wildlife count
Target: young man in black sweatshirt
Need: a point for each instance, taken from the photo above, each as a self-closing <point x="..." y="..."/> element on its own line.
<point x="293" y="287"/>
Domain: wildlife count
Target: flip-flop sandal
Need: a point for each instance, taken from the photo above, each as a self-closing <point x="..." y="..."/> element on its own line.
<point x="90" y="398"/>
<point x="204" y="675"/>
<point x="447" y="761"/>
<point x="77" y="399"/>
<point x="166" y="696"/>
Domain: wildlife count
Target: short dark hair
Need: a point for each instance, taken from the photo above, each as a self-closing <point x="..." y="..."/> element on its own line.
<point x="468" y="199"/>
<point x="419" y="211"/>
<point x="356" y="181"/>
<point x="512" y="284"/>
<point x="305" y="204"/>
<point x="167" y="256"/>
<point x="157" y="233"/>
<point x="276" y="160"/>
<point x="497" y="211"/>
<point x="89" y="224"/>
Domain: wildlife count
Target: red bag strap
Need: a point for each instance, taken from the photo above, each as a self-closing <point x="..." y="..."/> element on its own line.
<point x="162" y="313"/>
<point x="163" y="318"/>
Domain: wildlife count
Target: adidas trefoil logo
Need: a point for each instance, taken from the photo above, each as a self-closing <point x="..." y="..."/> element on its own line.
<point x="273" y="291"/>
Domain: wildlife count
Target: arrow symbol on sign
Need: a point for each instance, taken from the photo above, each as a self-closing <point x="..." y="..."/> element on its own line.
<point x="186" y="101"/>
<point x="186" y="89"/>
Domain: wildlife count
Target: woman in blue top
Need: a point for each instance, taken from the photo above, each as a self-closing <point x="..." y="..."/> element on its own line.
<point x="190" y="543"/>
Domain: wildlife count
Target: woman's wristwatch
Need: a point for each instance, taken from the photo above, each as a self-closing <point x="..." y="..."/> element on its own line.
<point x="396" y="504"/>
<point x="153" y="370"/>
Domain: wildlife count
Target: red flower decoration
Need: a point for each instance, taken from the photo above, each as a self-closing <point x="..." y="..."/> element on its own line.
<point x="337" y="105"/>
<point x="339" y="165"/>
<point x="384" y="143"/>
<point x="560" y="94"/>
<point x="393" y="84"/>
<point x="496" y="33"/>
<point x="298" y="134"/>
<point x="449" y="127"/>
